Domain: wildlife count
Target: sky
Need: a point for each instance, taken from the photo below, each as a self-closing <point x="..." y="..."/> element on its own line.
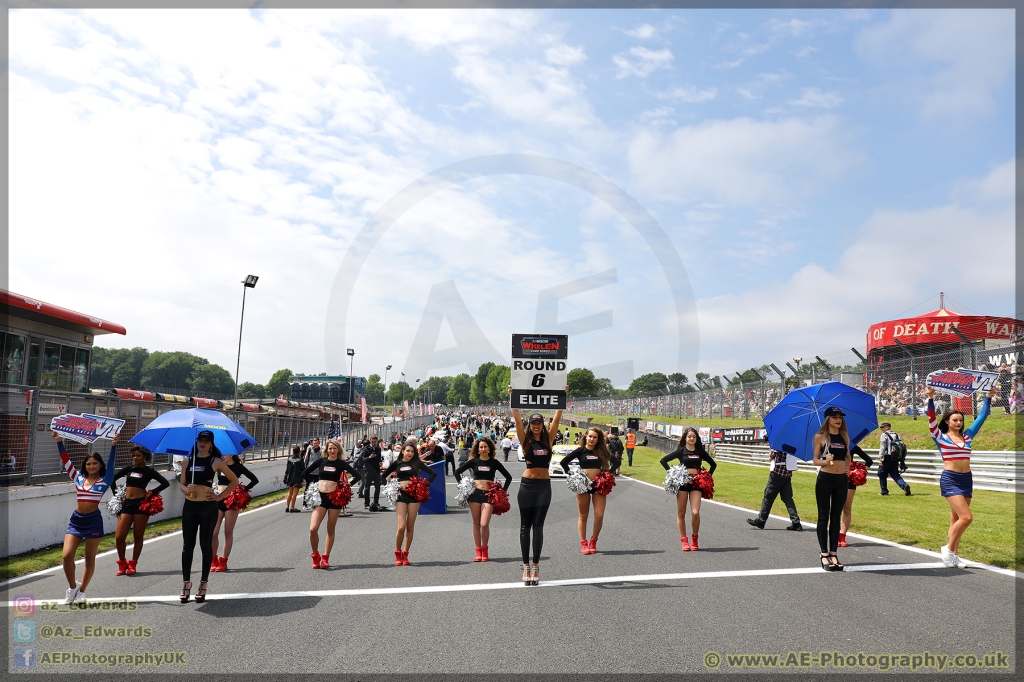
<point x="812" y="172"/>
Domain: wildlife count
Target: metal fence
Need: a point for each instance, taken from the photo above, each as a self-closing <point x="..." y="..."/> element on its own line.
<point x="895" y="379"/>
<point x="28" y="454"/>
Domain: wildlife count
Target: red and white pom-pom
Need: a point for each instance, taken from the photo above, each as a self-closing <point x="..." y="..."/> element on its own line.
<point x="603" y="483"/>
<point x="418" y="489"/>
<point x="238" y="499"/>
<point x="154" y="504"/>
<point x="705" y="484"/>
<point x="858" y="473"/>
<point x="342" y="495"/>
<point x="498" y="498"/>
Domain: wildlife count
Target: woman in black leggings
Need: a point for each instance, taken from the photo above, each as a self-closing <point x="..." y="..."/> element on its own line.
<point x="199" y="514"/>
<point x="832" y="454"/>
<point x="534" y="488"/>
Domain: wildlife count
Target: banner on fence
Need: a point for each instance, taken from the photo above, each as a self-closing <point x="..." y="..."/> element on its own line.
<point x="86" y="428"/>
<point x="705" y="434"/>
<point x="962" y="382"/>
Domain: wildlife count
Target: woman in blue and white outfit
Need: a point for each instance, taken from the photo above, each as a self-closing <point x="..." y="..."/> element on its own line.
<point x="86" y="522"/>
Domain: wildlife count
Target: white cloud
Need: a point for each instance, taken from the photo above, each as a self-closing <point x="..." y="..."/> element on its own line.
<point x="793" y="27"/>
<point x="740" y="161"/>
<point x="642" y="32"/>
<point x="973" y="50"/>
<point x="565" y="55"/>
<point x="641" y="62"/>
<point x="688" y="94"/>
<point x="807" y="51"/>
<point x="813" y="97"/>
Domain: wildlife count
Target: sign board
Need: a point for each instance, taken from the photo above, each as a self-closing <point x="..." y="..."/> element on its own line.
<point x="86" y="428"/>
<point x="540" y="371"/>
<point x="52" y="408"/>
<point x="962" y="382"/>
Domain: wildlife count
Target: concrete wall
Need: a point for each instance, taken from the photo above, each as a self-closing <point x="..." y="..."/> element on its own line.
<point x="37" y="516"/>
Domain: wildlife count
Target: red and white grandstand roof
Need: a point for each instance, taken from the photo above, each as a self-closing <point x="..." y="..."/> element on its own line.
<point x="33" y="309"/>
<point x="937" y="327"/>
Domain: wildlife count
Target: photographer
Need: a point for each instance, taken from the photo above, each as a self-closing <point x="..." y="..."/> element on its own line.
<point x="891" y="451"/>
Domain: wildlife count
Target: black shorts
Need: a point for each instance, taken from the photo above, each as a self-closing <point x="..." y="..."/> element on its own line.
<point x="851" y="486"/>
<point x="688" y="488"/>
<point x="478" y="496"/>
<point x="326" y="503"/>
<point x="406" y="498"/>
<point x="221" y="506"/>
<point x="131" y="507"/>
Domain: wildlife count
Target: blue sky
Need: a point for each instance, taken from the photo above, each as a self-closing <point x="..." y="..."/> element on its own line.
<point x="809" y="167"/>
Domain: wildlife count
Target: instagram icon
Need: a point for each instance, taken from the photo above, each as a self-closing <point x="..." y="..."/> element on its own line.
<point x="24" y="605"/>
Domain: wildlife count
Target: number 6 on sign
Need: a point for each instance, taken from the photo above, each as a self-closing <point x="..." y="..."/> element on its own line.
<point x="539" y="364"/>
<point x="538" y="380"/>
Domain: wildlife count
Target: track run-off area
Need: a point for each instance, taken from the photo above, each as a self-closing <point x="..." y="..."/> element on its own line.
<point x="640" y="605"/>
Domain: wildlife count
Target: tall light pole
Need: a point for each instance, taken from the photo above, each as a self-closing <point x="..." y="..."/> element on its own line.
<point x="386" y="383"/>
<point x="351" y="358"/>
<point x="403" y="388"/>
<point x="248" y="283"/>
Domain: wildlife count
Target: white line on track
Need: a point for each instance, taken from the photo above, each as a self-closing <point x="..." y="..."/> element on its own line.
<point x="880" y="541"/>
<point x="509" y="586"/>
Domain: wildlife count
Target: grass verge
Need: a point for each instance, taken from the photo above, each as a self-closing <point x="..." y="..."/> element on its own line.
<point x="920" y="520"/>
<point x="37" y="560"/>
<point x="1000" y="431"/>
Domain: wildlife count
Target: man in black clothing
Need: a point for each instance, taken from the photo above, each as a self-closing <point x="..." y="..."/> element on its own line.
<point x="780" y="482"/>
<point x="432" y="452"/>
<point x="370" y="456"/>
<point x="616" y="448"/>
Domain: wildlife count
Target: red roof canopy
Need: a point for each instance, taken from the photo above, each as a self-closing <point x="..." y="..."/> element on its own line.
<point x="937" y="327"/>
<point x="39" y="311"/>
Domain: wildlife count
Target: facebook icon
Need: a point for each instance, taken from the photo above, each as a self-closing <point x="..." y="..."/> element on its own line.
<point x="24" y="657"/>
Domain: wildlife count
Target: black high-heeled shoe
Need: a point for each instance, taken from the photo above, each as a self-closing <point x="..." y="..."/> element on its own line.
<point x="186" y="590"/>
<point x="833" y="559"/>
<point x="535" y="574"/>
<point x="826" y="562"/>
<point x="201" y="592"/>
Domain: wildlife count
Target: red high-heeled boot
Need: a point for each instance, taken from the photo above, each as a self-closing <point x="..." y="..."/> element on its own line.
<point x="132" y="563"/>
<point x="693" y="545"/>
<point x="316" y="559"/>
<point x="122" y="567"/>
<point x="483" y="553"/>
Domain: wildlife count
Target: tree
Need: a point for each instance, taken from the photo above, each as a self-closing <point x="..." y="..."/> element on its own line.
<point x="604" y="388"/>
<point x="648" y="383"/>
<point x="582" y="383"/>
<point x="170" y="370"/>
<point x="677" y="382"/>
<point x="396" y="391"/>
<point x="107" y="361"/>
<point x="247" y="389"/>
<point x="476" y="395"/>
<point x="458" y="394"/>
<point x="478" y="387"/>
<point x="498" y="380"/>
<point x="701" y="378"/>
<point x="434" y="389"/>
<point x="280" y="383"/>
<point x="208" y="379"/>
<point x="374" y="390"/>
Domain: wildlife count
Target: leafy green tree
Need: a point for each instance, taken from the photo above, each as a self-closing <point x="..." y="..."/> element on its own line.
<point x="582" y="383"/>
<point x="280" y="384"/>
<point x="247" y="389"/>
<point x="170" y="370"/>
<point x="677" y="382"/>
<point x="107" y="361"/>
<point x="655" y="382"/>
<point x="434" y="389"/>
<point x="374" y="390"/>
<point x="701" y="378"/>
<point x="209" y="378"/>
<point x="478" y="386"/>
<point x="395" y="392"/>
<point x="497" y="383"/>
<point x="604" y="388"/>
<point x="458" y="394"/>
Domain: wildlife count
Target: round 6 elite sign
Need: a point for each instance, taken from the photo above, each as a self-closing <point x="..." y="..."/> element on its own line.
<point x="540" y="371"/>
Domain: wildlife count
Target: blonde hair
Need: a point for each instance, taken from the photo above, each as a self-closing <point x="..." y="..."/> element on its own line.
<point x="823" y="432"/>
<point x="329" y="443"/>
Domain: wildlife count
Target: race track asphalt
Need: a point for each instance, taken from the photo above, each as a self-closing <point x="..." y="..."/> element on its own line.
<point x="634" y="607"/>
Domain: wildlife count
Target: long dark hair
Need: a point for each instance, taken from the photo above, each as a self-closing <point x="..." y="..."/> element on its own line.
<point x="700" y="449"/>
<point x="944" y="422"/>
<point x="95" y="456"/>
<point x="415" y="461"/>
<point x="214" y="452"/>
<point x="528" y="438"/>
<point x="601" y="448"/>
<point x="474" y="452"/>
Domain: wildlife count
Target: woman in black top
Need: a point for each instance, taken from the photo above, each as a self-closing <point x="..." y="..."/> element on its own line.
<point x="485" y="465"/>
<point x="293" y="478"/>
<point x="405" y="468"/>
<point x="832" y="454"/>
<point x="228" y="516"/>
<point x="594" y="458"/>
<point x="138" y="477"/>
<point x="199" y="513"/>
<point x="535" y="487"/>
<point x="328" y="469"/>
<point x="851" y="490"/>
<point x="690" y="454"/>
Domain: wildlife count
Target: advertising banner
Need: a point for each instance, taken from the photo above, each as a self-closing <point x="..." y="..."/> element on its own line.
<point x="86" y="428"/>
<point x="962" y="382"/>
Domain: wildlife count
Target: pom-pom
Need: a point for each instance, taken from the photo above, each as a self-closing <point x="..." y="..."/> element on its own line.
<point x="341" y="495"/>
<point x="466" y="487"/>
<point x="311" y="498"/>
<point x="497" y="496"/>
<point x="858" y="473"/>
<point x="705" y="484"/>
<point x="390" y="491"/>
<point x="117" y="501"/>
<point x="603" y="483"/>
<point x="676" y="478"/>
<point x="418" y="489"/>
<point x="578" y="482"/>
<point x="238" y="499"/>
<point x="152" y="505"/>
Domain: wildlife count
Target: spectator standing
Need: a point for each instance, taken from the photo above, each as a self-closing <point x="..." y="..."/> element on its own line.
<point x="313" y="453"/>
<point x="889" y="446"/>
<point x="615" y="447"/>
<point x="780" y="482"/>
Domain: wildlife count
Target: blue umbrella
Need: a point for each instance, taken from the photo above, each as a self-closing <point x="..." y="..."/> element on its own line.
<point x="793" y="422"/>
<point x="175" y="432"/>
